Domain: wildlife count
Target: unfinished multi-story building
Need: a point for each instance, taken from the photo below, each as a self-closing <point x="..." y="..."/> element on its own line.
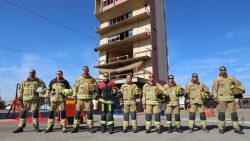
<point x="132" y="39"/>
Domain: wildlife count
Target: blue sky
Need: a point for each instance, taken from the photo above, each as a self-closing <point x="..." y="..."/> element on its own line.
<point x="202" y="35"/>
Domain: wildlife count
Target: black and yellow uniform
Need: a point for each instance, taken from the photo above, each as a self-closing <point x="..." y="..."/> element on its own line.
<point x="107" y="100"/>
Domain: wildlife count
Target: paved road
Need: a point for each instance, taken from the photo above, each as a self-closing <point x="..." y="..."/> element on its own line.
<point x="6" y="127"/>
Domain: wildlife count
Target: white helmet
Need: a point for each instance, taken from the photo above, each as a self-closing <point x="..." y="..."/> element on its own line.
<point x="41" y="90"/>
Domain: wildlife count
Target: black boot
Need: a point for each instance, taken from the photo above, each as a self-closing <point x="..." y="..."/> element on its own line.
<point x="135" y="130"/>
<point x="148" y="131"/>
<point x="64" y="129"/>
<point x="124" y="130"/>
<point x="178" y="129"/>
<point x="191" y="130"/>
<point x="49" y="129"/>
<point x="18" y="130"/>
<point x="111" y="129"/>
<point x="36" y="128"/>
<point x="239" y="131"/>
<point x="74" y="130"/>
<point x="169" y="130"/>
<point x="103" y="127"/>
<point x="221" y="131"/>
<point x="205" y="130"/>
<point x="24" y="125"/>
<point x="91" y="130"/>
<point x="158" y="131"/>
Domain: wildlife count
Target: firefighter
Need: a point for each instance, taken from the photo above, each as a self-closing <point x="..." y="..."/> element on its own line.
<point x="197" y="93"/>
<point x="56" y="95"/>
<point x="28" y="99"/>
<point x="223" y="93"/>
<point x="152" y="96"/>
<point x="82" y="93"/>
<point x="129" y="92"/>
<point x="173" y="92"/>
<point x="108" y="91"/>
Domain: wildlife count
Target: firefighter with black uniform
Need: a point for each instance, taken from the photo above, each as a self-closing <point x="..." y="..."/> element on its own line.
<point x="108" y="91"/>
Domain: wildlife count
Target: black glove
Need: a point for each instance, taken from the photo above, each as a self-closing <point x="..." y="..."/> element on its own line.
<point x="62" y="95"/>
<point x="160" y="96"/>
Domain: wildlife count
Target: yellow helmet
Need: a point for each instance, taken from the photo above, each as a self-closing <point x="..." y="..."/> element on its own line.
<point x="66" y="92"/>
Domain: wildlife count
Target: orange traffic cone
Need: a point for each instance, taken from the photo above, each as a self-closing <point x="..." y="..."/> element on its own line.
<point x="211" y="110"/>
<point x="206" y="112"/>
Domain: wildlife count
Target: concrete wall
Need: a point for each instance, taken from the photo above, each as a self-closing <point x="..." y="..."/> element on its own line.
<point x="161" y="39"/>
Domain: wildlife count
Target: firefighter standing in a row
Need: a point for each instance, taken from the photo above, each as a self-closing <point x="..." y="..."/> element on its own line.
<point x="130" y="92"/>
<point x="173" y="92"/>
<point x="56" y="95"/>
<point x="152" y="96"/>
<point x="83" y="98"/>
<point x="108" y="92"/>
<point x="223" y="92"/>
<point x="197" y="93"/>
<point x="28" y="99"/>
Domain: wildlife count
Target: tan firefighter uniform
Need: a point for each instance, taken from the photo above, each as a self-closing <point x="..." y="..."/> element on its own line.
<point x="128" y="100"/>
<point x="152" y="103"/>
<point x="57" y="101"/>
<point x="30" y="99"/>
<point x="172" y="105"/>
<point x="197" y="93"/>
<point x="82" y="91"/>
<point x="222" y="91"/>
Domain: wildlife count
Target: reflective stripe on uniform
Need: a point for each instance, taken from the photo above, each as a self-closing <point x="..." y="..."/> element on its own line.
<point x="226" y="98"/>
<point x="84" y="96"/>
<point x="173" y="103"/>
<point x="129" y="102"/>
<point x="106" y="101"/>
<point x="152" y="102"/>
<point x="196" y="101"/>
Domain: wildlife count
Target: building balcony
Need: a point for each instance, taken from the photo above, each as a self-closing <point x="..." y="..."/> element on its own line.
<point x="125" y="60"/>
<point x="105" y="12"/>
<point x="123" y="23"/>
<point x="129" y="40"/>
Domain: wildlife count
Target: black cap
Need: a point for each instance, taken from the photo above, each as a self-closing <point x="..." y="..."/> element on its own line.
<point x="194" y="75"/>
<point x="85" y="68"/>
<point x="60" y="72"/>
<point x="32" y="71"/>
<point x="170" y="77"/>
<point x="223" y="68"/>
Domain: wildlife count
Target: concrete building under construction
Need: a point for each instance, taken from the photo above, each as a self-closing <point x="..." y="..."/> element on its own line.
<point x="132" y="39"/>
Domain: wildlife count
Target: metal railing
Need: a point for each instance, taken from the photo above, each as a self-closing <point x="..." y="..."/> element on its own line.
<point x="147" y="53"/>
<point x="119" y="58"/>
<point x="118" y="76"/>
